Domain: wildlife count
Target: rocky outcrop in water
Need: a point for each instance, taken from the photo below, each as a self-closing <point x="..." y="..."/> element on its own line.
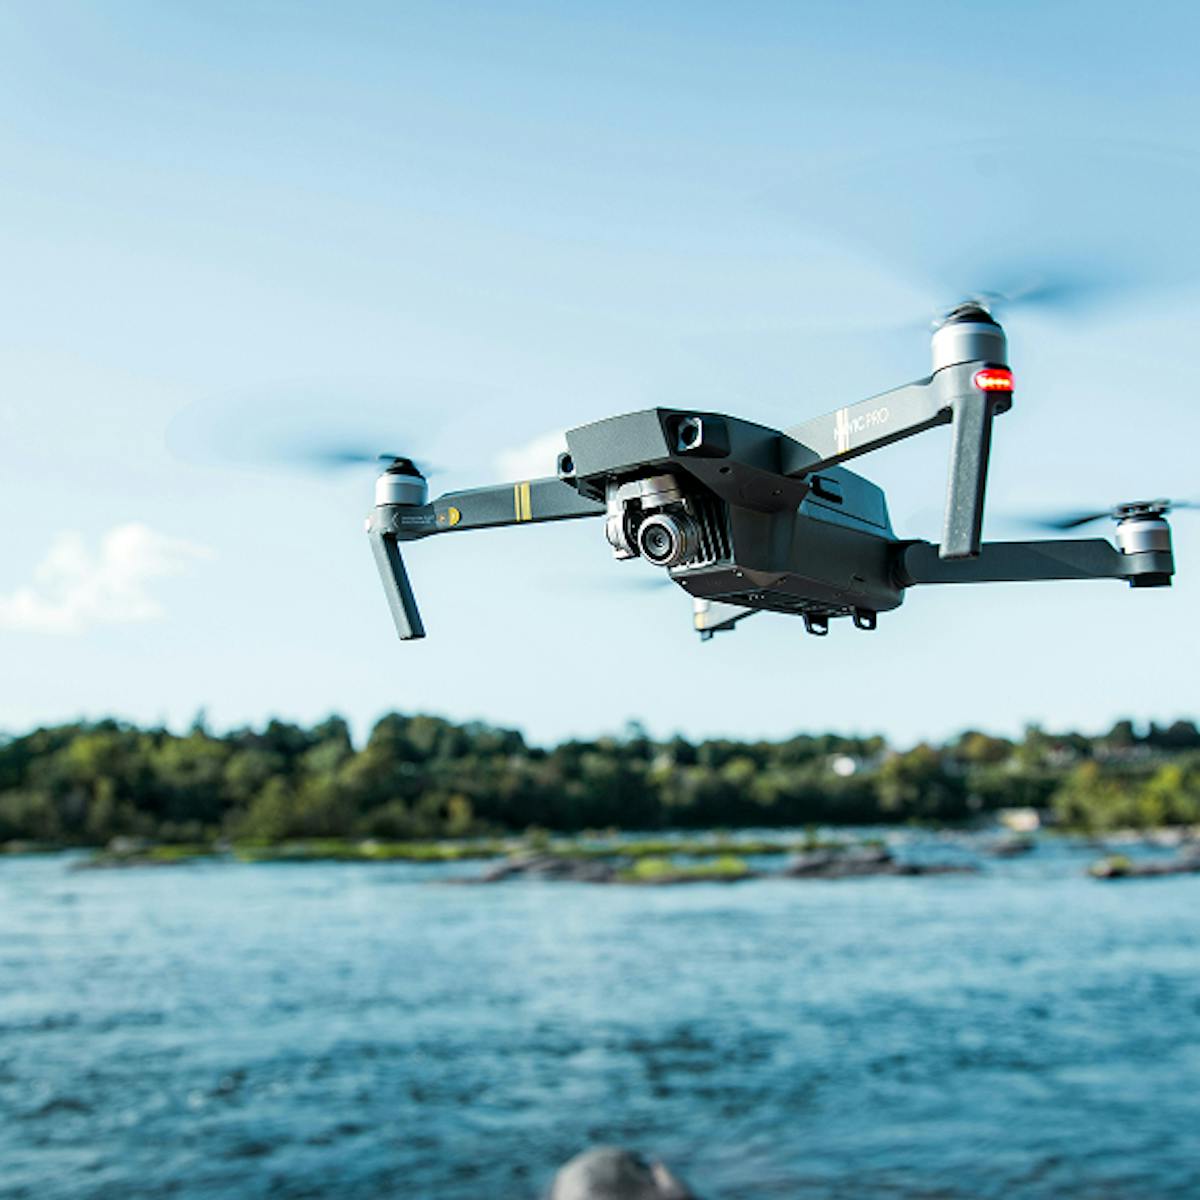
<point x="551" y="866"/>
<point x="857" y="861"/>
<point x="610" y="1173"/>
<point x="836" y="862"/>
<point x="1117" y="866"/>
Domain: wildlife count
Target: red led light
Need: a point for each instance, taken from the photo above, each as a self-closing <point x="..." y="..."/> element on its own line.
<point x="994" y="379"/>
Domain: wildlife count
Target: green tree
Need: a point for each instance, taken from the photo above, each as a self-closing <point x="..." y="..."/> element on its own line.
<point x="916" y="784"/>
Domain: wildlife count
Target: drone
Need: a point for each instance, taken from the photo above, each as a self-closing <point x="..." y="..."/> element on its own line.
<point x="749" y="519"/>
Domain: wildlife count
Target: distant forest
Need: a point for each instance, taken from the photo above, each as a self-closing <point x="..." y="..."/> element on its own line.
<point x="422" y="777"/>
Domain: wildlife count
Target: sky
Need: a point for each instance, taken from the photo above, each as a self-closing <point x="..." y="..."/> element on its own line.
<point x="460" y="229"/>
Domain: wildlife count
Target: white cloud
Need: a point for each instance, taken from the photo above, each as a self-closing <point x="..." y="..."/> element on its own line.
<point x="534" y="459"/>
<point x="75" y="587"/>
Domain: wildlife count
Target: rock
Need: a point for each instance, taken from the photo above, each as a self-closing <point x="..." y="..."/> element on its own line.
<point x="1012" y="847"/>
<point x="551" y="866"/>
<point x="935" y="869"/>
<point x="1118" y="866"/>
<point x="610" y="1173"/>
<point x="838" y="863"/>
<point x="857" y="861"/>
<point x="614" y="870"/>
<point x="841" y="863"/>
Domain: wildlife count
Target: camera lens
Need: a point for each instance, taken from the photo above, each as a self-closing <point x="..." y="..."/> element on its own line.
<point x="667" y="540"/>
<point x="658" y="544"/>
<point x="690" y="434"/>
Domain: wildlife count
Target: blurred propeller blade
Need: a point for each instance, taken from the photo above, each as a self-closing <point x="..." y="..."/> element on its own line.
<point x="324" y="433"/>
<point x="324" y="458"/>
<point x="327" y="457"/>
<point x="1053" y="226"/>
<point x="1073" y="520"/>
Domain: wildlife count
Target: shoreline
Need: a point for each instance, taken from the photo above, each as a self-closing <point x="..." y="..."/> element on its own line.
<point x="640" y="860"/>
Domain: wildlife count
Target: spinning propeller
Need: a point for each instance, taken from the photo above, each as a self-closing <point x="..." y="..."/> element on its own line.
<point x="1119" y="512"/>
<point x="1023" y="228"/>
<point x="320" y="433"/>
<point x="324" y="458"/>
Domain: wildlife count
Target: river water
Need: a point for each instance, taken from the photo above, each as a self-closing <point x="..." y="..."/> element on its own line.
<point x="363" y="1031"/>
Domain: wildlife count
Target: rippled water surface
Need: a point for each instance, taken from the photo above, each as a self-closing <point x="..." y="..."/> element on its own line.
<point x="362" y="1031"/>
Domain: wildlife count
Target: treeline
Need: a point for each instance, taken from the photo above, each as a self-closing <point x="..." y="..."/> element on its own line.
<point x="419" y="777"/>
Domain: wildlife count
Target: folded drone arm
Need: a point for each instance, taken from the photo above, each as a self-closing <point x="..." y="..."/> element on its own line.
<point x="1001" y="562"/>
<point x="529" y="501"/>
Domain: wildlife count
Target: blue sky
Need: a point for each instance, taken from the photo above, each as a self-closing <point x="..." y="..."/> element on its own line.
<point x="473" y="225"/>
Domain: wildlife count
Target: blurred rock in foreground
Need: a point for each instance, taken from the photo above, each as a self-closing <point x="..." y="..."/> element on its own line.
<point x="609" y="1173"/>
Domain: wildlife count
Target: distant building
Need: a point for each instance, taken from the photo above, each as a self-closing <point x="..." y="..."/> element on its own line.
<point x="1020" y="820"/>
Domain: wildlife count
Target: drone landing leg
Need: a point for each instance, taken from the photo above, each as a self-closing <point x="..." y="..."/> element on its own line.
<point x="970" y="449"/>
<point x="400" y="598"/>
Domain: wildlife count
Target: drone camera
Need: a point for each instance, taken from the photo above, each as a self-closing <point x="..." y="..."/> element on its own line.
<point x="706" y="437"/>
<point x="690" y="434"/>
<point x="668" y="539"/>
<point x="654" y="519"/>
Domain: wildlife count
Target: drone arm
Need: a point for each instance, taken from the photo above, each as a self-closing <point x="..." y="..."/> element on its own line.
<point x="479" y="508"/>
<point x="1007" y="562"/>
<point x="838" y="436"/>
<point x="949" y="396"/>
<point x="534" y="500"/>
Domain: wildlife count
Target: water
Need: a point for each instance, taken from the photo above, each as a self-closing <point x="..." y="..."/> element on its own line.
<point x="360" y="1031"/>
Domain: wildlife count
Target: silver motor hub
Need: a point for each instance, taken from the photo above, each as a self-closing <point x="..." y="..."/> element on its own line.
<point x="969" y="334"/>
<point x="401" y="483"/>
<point x="1143" y="532"/>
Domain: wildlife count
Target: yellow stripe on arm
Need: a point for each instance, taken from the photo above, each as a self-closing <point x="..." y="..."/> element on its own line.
<point x="522" y="502"/>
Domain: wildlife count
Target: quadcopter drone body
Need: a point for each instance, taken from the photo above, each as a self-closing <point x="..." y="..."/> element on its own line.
<point x="748" y="519"/>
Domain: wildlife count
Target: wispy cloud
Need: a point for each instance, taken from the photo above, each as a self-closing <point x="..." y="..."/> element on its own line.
<point x="536" y="458"/>
<point x="76" y="587"/>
